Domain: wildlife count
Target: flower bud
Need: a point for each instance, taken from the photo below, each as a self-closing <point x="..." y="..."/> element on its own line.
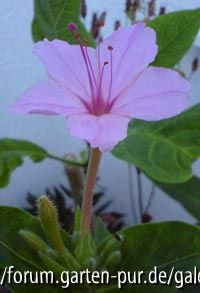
<point x="117" y="25"/>
<point x="151" y="10"/>
<point x="48" y="217"/>
<point x="195" y="64"/>
<point x="162" y="10"/>
<point x="128" y="5"/>
<point x="146" y="218"/>
<point x="83" y="9"/>
<point x="136" y="4"/>
<point x="76" y="179"/>
<point x="33" y="240"/>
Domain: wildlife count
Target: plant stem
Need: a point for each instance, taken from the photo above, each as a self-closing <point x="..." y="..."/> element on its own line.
<point x="151" y="196"/>
<point x="131" y="193"/>
<point x="140" y="193"/>
<point x="94" y="161"/>
<point x="69" y="162"/>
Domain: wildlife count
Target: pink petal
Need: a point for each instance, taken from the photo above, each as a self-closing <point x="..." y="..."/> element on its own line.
<point x="103" y="131"/>
<point x="49" y="98"/>
<point x="157" y="94"/>
<point x="134" y="48"/>
<point x="65" y="63"/>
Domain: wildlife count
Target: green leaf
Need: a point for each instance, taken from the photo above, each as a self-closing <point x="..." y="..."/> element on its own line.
<point x="14" y="251"/>
<point x="187" y="194"/>
<point x="22" y="265"/>
<point x="175" y="35"/>
<point x="12" y="220"/>
<point x="51" y="19"/>
<point x="12" y="152"/>
<point x="165" y="150"/>
<point x="101" y="232"/>
<point x="85" y="249"/>
<point x="163" y="245"/>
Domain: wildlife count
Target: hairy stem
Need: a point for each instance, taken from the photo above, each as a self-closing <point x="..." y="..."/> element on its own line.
<point x="94" y="161"/>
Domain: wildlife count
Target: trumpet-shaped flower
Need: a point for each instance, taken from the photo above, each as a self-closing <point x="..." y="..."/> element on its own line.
<point x="100" y="90"/>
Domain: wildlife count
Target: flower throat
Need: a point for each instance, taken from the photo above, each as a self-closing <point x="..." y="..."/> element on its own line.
<point x="99" y="104"/>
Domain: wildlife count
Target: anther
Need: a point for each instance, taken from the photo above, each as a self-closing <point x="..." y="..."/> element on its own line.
<point x="101" y="23"/>
<point x="77" y="36"/>
<point x="106" y="63"/>
<point x="110" y="48"/>
<point x="72" y="27"/>
<point x="85" y="41"/>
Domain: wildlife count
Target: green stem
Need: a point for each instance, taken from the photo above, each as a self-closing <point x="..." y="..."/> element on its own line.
<point x="69" y="162"/>
<point x="140" y="192"/>
<point x="94" y="161"/>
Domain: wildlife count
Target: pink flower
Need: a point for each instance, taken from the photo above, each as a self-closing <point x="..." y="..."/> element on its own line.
<point x="100" y="90"/>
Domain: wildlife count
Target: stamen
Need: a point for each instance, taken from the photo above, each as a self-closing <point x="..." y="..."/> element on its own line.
<point x="90" y="65"/>
<point x="110" y="48"/>
<point x="100" y="84"/>
<point x="101" y="23"/>
<point x="72" y="28"/>
<point x="99" y="58"/>
<point x="101" y="76"/>
<point x="99" y="40"/>
<point x="89" y="75"/>
<point x="85" y="41"/>
<point x="77" y="36"/>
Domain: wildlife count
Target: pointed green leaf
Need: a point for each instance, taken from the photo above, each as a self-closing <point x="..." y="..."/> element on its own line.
<point x="164" y="245"/>
<point x="101" y="231"/>
<point x="175" y="35"/>
<point x="14" y="251"/>
<point x="85" y="249"/>
<point x="51" y="19"/>
<point x="9" y="257"/>
<point x="187" y="194"/>
<point x="165" y="150"/>
<point x="12" y="152"/>
<point x="12" y="221"/>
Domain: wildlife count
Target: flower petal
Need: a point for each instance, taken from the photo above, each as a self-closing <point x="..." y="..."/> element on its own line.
<point x="134" y="48"/>
<point x="48" y="98"/>
<point x="157" y="94"/>
<point x="103" y="131"/>
<point x="65" y="63"/>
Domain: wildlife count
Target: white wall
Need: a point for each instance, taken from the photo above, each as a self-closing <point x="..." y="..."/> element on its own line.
<point x="19" y="69"/>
